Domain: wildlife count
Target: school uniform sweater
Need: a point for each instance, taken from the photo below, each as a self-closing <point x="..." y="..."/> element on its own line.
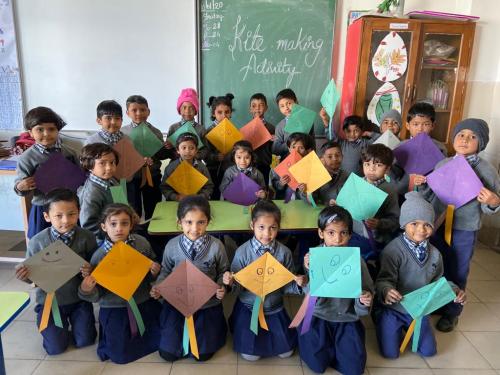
<point x="264" y="153"/>
<point x="169" y="192"/>
<point x="108" y="299"/>
<point x="273" y="302"/>
<point x="388" y="214"/>
<point x="401" y="270"/>
<point x="93" y="198"/>
<point x="233" y="171"/>
<point x="27" y="165"/>
<point x="212" y="261"/>
<point x="331" y="189"/>
<point x="469" y="216"/>
<point x="200" y="130"/>
<point x="160" y="155"/>
<point x="345" y="309"/>
<point x="83" y="244"/>
<point x="96" y="138"/>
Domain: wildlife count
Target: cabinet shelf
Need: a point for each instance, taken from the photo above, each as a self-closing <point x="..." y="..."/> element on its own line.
<point x="439" y="67"/>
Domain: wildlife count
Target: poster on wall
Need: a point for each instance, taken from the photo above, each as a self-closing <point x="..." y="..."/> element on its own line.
<point x="11" y="103"/>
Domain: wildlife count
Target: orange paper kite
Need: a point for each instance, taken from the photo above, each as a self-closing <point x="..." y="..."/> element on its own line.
<point x="283" y="167"/>
<point x="186" y="179"/>
<point x="256" y="133"/>
<point x="310" y="171"/>
<point x="224" y="136"/>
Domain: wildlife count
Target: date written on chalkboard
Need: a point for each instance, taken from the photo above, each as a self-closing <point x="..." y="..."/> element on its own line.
<point x="252" y="43"/>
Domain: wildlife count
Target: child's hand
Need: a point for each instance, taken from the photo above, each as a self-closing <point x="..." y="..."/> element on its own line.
<point x="220" y="156"/>
<point x="488" y="197"/>
<point x="332" y="202"/>
<point x="301" y="280"/>
<point x="26" y="184"/>
<point x="367" y="134"/>
<point x="285" y="180"/>
<point x="178" y="197"/>
<point x="392" y="296"/>
<point x="85" y="270"/>
<point x="22" y="273"/>
<point x="154" y="292"/>
<point x="261" y="194"/>
<point x="220" y="293"/>
<point x="168" y="145"/>
<point x="148" y="161"/>
<point x="155" y="269"/>
<point x="306" y="261"/>
<point x="366" y="298"/>
<point x="302" y="187"/>
<point x="273" y="137"/>
<point x="324" y="116"/>
<point x="418" y="179"/>
<point x="461" y="297"/>
<point x="372" y="223"/>
<point x="227" y="278"/>
<point x="88" y="284"/>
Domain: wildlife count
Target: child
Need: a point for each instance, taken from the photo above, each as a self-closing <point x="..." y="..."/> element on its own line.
<point x="101" y="161"/>
<point x="421" y="119"/>
<point x="285" y="99"/>
<point x="353" y="145"/>
<point x="470" y="136"/>
<point x="43" y="124"/>
<point x="331" y="156"/>
<point x="279" y="340"/>
<point x="221" y="107"/>
<point x="109" y="117"/>
<point x="116" y="341"/>
<point x="188" y="107"/>
<point x="61" y="211"/>
<point x="409" y="262"/>
<point x="263" y="154"/>
<point x="244" y="158"/>
<point x="336" y="337"/>
<point x="138" y="111"/>
<point x="390" y="120"/>
<point x="377" y="161"/>
<point x="303" y="144"/>
<point x="187" y="148"/>
<point x="208" y="254"/>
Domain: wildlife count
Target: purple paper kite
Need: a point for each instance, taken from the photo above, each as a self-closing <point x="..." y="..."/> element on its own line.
<point x="242" y="190"/>
<point x="58" y="172"/>
<point x="418" y="155"/>
<point x="455" y="182"/>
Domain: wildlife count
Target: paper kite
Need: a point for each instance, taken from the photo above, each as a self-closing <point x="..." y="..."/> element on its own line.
<point x="330" y="98"/>
<point x="418" y="155"/>
<point x="283" y="168"/>
<point x="186" y="179"/>
<point x="256" y="133"/>
<point x="388" y="139"/>
<point x="310" y="171"/>
<point x="58" y="172"/>
<point x="186" y="128"/>
<point x="301" y="120"/>
<point x="224" y="136"/>
<point x="130" y="160"/>
<point x="242" y="190"/>
<point x="145" y="141"/>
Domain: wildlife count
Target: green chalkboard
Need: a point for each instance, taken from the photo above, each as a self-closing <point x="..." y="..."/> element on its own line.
<point x="249" y="46"/>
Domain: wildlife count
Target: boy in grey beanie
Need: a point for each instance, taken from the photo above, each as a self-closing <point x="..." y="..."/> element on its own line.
<point x="408" y="262"/>
<point x="470" y="136"/>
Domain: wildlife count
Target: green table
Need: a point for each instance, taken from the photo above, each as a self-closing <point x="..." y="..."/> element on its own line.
<point x="230" y="217"/>
<point x="11" y="305"/>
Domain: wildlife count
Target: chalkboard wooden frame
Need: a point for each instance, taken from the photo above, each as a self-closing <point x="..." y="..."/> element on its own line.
<point x="308" y="10"/>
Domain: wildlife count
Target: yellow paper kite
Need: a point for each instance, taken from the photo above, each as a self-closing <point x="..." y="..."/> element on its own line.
<point x="122" y="270"/>
<point x="310" y="171"/>
<point x="186" y="179"/>
<point x="224" y="136"/>
<point x="262" y="277"/>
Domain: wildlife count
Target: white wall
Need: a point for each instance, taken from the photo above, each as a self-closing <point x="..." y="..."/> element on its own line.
<point x="74" y="54"/>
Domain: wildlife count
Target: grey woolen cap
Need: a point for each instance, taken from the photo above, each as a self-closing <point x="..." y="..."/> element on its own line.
<point x="416" y="208"/>
<point x="395" y="115"/>
<point x="478" y="126"/>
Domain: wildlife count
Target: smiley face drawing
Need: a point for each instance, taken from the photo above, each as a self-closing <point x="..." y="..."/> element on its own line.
<point x="51" y="256"/>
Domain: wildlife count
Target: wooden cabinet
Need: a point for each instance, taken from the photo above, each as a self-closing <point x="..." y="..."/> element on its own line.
<point x="438" y="55"/>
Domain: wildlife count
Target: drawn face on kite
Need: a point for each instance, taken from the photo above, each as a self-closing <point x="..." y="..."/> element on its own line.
<point x="335" y="265"/>
<point x="264" y="272"/>
<point x="52" y="256"/>
<point x="185" y="295"/>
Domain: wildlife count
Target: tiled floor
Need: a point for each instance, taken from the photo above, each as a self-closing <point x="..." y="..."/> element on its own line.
<point x="474" y="348"/>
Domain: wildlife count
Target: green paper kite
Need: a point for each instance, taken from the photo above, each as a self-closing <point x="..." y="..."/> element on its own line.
<point x="186" y="128"/>
<point x="119" y="193"/>
<point x="330" y="98"/>
<point x="301" y="120"/>
<point x="335" y="272"/>
<point x="145" y="141"/>
<point x="360" y="198"/>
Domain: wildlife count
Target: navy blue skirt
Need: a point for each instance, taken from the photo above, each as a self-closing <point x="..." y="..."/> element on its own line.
<point x="115" y="341"/>
<point x="340" y="345"/>
<point x="209" y="325"/>
<point x="278" y="340"/>
<point x="36" y="221"/>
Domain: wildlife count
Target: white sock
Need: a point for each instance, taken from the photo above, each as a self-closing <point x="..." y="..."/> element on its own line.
<point x="250" y="357"/>
<point x="286" y="355"/>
